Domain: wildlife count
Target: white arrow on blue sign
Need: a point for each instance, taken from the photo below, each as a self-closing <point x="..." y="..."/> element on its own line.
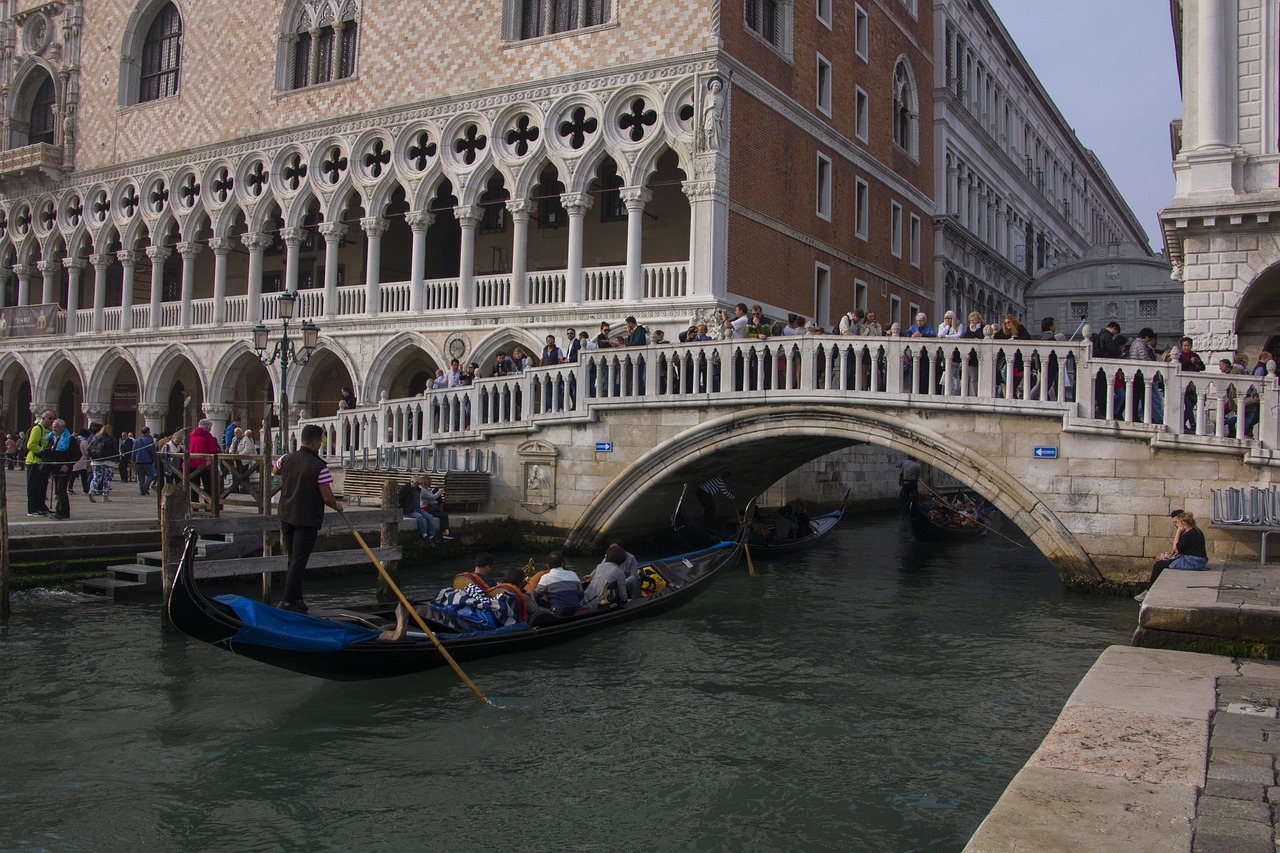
<point x="1045" y="453"/>
<point x="604" y="447"/>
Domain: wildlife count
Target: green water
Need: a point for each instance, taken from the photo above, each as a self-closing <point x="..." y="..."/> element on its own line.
<point x="873" y="694"/>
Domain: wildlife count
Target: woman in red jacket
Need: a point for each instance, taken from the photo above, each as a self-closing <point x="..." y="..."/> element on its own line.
<point x="201" y="442"/>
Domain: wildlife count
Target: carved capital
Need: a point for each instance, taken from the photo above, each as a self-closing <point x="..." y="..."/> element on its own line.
<point x="697" y="191"/>
<point x="153" y="411"/>
<point x="101" y="260"/>
<point x="189" y="250"/>
<point x="374" y="226"/>
<point x="25" y="270"/>
<point x="217" y="411"/>
<point x="75" y="265"/>
<point x="96" y="411"/>
<point x="46" y="267"/>
<point x="520" y="208"/>
<point x="576" y="204"/>
<point x="419" y="220"/>
<point x="254" y="241"/>
<point x="332" y="231"/>
<point x="159" y="254"/>
<point x="220" y="245"/>
<point x="292" y="237"/>
<point x="127" y="257"/>
<point x="468" y="215"/>
<point x="635" y="198"/>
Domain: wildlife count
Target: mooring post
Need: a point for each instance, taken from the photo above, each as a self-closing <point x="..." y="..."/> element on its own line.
<point x="265" y="473"/>
<point x="4" y="547"/>
<point x="175" y="510"/>
<point x="389" y="537"/>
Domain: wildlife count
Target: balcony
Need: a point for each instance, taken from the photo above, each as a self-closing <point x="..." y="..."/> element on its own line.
<point x="30" y="168"/>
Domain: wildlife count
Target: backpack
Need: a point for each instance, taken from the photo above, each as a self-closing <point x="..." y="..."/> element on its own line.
<point x="97" y="447"/>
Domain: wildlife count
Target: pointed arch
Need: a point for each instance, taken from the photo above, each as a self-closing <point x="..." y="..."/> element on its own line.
<point x="151" y="53"/>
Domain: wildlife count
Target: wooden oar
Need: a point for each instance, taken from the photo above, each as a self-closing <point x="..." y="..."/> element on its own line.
<point x="977" y="520"/>
<point x="417" y="617"/>
<point x="746" y="534"/>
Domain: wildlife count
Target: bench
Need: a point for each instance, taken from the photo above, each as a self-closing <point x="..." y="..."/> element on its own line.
<point x="363" y="486"/>
<point x="463" y="490"/>
<point x="1264" y="529"/>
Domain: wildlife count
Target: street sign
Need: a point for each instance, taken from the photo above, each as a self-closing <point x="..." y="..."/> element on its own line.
<point x="1039" y="452"/>
<point x="604" y="447"/>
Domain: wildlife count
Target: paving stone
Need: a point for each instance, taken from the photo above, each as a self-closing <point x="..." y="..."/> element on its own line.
<point x="1246" y="757"/>
<point x="1206" y="843"/>
<point x="1273" y="794"/>
<point x="1246" y="830"/>
<point x="1221" y="740"/>
<point x="1246" y="810"/>
<point x="1237" y="790"/>
<point x="1242" y="773"/>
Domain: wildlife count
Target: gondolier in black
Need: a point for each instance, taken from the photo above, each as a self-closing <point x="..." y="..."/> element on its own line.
<point x="707" y="496"/>
<point x="306" y="488"/>
<point x="909" y="480"/>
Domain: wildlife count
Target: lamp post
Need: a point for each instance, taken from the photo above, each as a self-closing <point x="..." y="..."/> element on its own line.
<point x="287" y="353"/>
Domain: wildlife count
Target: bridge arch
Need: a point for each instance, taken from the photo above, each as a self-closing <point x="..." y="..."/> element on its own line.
<point x="779" y="438"/>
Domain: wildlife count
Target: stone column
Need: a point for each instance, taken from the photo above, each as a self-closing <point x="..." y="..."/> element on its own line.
<point x="292" y="238"/>
<point x="336" y="58"/>
<point x="158" y="255"/>
<point x="221" y="246"/>
<point x="709" y="237"/>
<point x="128" y="263"/>
<point x="419" y="221"/>
<point x="75" y="266"/>
<point x="153" y="416"/>
<point x="101" y="261"/>
<point x="953" y="192"/>
<point x="374" y="227"/>
<point x="468" y="216"/>
<point x="635" y="198"/>
<point x="5" y="275"/>
<point x="1212" y="74"/>
<point x="49" y="271"/>
<point x="255" y="243"/>
<point x="313" y="64"/>
<point x="219" y="413"/>
<point x="333" y="232"/>
<point x="520" y="210"/>
<point x="576" y="205"/>
<point x="25" y="272"/>
<point x="95" y="412"/>
<point x="188" y="251"/>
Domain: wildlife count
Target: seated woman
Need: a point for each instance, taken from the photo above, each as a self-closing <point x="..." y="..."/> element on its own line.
<point x="471" y="604"/>
<point x="608" y="583"/>
<point x="1189" y="550"/>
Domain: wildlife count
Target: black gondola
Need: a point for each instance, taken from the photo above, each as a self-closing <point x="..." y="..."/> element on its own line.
<point x="935" y="521"/>
<point x="696" y="533"/>
<point x="358" y="653"/>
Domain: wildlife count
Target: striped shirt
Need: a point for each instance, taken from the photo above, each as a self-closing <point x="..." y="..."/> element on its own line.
<point x="716" y="486"/>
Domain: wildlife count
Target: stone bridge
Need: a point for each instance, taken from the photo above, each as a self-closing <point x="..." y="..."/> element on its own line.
<point x="1086" y="456"/>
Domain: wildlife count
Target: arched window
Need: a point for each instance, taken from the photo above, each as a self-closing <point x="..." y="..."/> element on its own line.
<point x="161" y="56"/>
<point x="904" y="108"/>
<point x="43" y="122"/>
<point x="534" y="18"/>
<point x="317" y="43"/>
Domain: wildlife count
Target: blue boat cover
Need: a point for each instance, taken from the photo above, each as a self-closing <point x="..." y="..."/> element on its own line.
<point x="283" y="629"/>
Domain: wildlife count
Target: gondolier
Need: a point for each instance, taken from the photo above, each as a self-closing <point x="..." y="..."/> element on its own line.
<point x="909" y="481"/>
<point x="306" y="488"/>
<point x="707" y="496"/>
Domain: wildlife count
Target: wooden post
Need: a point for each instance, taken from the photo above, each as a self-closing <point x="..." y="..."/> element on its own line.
<point x="175" y="508"/>
<point x="389" y="537"/>
<point x="4" y="547"/>
<point x="265" y="473"/>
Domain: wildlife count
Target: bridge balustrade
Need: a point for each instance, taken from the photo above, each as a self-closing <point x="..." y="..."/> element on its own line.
<point x="1037" y="377"/>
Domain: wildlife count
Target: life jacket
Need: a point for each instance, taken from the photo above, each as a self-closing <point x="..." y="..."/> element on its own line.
<point x="651" y="581"/>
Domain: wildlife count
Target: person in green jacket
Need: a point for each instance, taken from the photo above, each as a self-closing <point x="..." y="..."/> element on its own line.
<point x="38" y="473"/>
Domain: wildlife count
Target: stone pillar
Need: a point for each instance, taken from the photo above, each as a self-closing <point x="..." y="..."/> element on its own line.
<point x="709" y="237"/>
<point x="953" y="192"/>
<point x="1212" y="74"/>
<point x="75" y="266"/>
<point x="255" y="243"/>
<point x="468" y="216"/>
<point x="635" y="198"/>
<point x="128" y="263"/>
<point x="49" y="281"/>
<point x="336" y="58"/>
<point x="313" y="63"/>
<point x="95" y="412"/>
<point x="374" y="227"/>
<point x="101" y="261"/>
<point x="153" y="416"/>
<point x="25" y="272"/>
<point x="5" y="275"/>
<point x="220" y="246"/>
<point x="576" y="205"/>
<point x="188" y="251"/>
<point x="158" y="255"/>
<point x="333" y="232"/>
<point x="520" y="210"/>
<point x="219" y="413"/>
<point x="419" y="221"/>
<point x="292" y="240"/>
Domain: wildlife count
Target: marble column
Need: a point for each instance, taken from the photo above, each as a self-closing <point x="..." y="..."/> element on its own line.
<point x="75" y="266"/>
<point x="158" y="255"/>
<point x="188" y="251"/>
<point x="220" y="246"/>
<point x="333" y="232"/>
<point x="153" y="416"/>
<point x="219" y="413"/>
<point x="708" y="237"/>
<point x="49" y="280"/>
<point x="468" y="216"/>
<point x="26" y="272"/>
<point x="520" y="209"/>
<point x="292" y="240"/>
<point x="128" y="264"/>
<point x="576" y="205"/>
<point x="419" y="221"/>
<point x="101" y="262"/>
<point x="635" y="198"/>
<point x="1212" y="74"/>
<point x="255" y="243"/>
<point x="374" y="227"/>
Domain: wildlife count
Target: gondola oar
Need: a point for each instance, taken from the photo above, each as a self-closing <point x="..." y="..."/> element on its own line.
<point x="977" y="520"/>
<point x="746" y="549"/>
<point x="417" y="617"/>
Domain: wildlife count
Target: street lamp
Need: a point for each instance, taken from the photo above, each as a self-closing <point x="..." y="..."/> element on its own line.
<point x="286" y="352"/>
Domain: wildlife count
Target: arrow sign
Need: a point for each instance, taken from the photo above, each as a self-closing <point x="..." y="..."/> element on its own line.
<point x="604" y="447"/>
<point x="1038" y="453"/>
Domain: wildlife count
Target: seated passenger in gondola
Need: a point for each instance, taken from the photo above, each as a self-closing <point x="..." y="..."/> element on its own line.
<point x="470" y="604"/>
<point x="558" y="589"/>
<point x="804" y="525"/>
<point x="608" y="582"/>
<point x="784" y="525"/>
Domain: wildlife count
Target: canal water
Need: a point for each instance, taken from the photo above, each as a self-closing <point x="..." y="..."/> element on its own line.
<point x="873" y="694"/>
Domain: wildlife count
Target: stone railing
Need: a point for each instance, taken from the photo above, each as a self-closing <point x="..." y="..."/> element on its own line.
<point x="1035" y="377"/>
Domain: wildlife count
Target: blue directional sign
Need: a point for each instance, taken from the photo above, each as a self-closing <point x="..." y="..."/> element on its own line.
<point x="604" y="447"/>
<point x="1039" y="452"/>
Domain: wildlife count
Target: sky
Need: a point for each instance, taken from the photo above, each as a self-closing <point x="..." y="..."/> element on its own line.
<point x="1109" y="66"/>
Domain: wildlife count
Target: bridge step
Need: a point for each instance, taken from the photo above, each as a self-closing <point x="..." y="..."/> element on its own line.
<point x="114" y="588"/>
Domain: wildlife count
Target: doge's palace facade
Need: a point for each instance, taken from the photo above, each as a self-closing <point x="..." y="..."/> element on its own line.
<point x="434" y="181"/>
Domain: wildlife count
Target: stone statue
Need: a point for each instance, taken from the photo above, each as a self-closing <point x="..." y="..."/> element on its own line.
<point x="713" y="115"/>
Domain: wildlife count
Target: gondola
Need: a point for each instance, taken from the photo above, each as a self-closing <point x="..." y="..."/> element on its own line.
<point x="931" y="522"/>
<point x="695" y="533"/>
<point x="344" y="645"/>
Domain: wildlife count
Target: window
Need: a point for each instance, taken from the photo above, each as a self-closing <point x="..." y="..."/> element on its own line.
<point x="915" y="240"/>
<point x="530" y="19"/>
<point x="43" y="124"/>
<point x="895" y="229"/>
<point x="860" y="118"/>
<point x="821" y="294"/>
<point x="1078" y="310"/>
<point x="161" y="56"/>
<point x="612" y="207"/>
<point x="859" y="294"/>
<point x="493" y="206"/>
<point x="824" y="85"/>
<point x="1148" y="307"/>
<point x="824" y="12"/>
<point x="895" y="313"/>
<point x="861" y="208"/>
<point x="551" y="212"/>
<point x="904" y="108"/>
<point x="765" y="19"/>
<point x="312" y="53"/>
<point x="860" y="40"/>
<point x="824" y="187"/>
